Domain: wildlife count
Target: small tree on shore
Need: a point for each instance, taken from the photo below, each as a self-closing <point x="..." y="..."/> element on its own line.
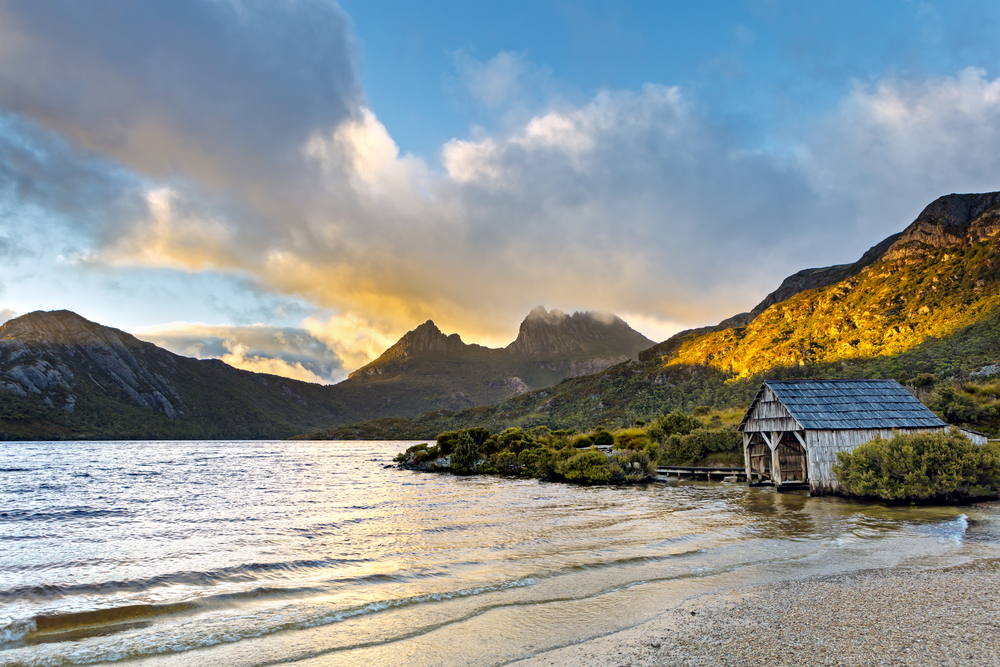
<point x="465" y="454"/>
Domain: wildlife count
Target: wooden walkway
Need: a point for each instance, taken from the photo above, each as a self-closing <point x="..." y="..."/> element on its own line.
<point x="706" y="473"/>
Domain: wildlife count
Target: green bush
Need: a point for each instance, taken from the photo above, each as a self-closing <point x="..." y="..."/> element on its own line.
<point x="505" y="463"/>
<point x="632" y="465"/>
<point x="446" y="441"/>
<point x="920" y="466"/>
<point x="466" y="453"/>
<point x="675" y="423"/>
<point x="587" y="467"/>
<point x="602" y="438"/>
<point x="955" y="408"/>
<point x="723" y="444"/>
<point x="631" y="438"/>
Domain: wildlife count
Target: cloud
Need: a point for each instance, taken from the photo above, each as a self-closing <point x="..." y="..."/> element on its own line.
<point x="286" y="351"/>
<point x="6" y="314"/>
<point x="238" y="357"/>
<point x="504" y="78"/>
<point x="894" y="145"/>
<point x="234" y="137"/>
<point x="220" y="92"/>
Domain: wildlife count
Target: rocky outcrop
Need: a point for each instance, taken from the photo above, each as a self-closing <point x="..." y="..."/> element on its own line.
<point x="947" y="221"/>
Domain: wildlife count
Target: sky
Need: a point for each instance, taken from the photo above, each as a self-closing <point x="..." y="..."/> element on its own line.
<point x="291" y="186"/>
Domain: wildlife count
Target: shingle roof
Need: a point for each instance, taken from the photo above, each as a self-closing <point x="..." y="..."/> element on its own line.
<point x="852" y="404"/>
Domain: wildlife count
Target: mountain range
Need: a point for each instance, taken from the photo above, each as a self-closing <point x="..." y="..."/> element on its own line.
<point x="62" y="376"/>
<point x="925" y="300"/>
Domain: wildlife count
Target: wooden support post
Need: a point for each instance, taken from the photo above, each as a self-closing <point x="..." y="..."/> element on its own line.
<point x="746" y="455"/>
<point x="775" y="465"/>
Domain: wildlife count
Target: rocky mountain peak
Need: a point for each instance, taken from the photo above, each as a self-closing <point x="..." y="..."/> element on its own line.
<point x="956" y="210"/>
<point x="62" y="327"/>
<point x="428" y="338"/>
<point x="554" y="334"/>
<point x="949" y="220"/>
<point x="424" y="339"/>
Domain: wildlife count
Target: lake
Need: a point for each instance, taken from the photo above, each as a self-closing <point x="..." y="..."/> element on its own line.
<point x="315" y="553"/>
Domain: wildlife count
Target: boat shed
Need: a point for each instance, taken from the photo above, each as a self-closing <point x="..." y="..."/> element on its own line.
<point x="794" y="428"/>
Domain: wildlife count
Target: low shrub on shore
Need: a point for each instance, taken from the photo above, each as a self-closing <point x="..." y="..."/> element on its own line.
<point x="921" y="466"/>
<point x="566" y="455"/>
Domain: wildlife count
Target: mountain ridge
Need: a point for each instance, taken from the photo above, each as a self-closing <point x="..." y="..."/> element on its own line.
<point x="62" y="375"/>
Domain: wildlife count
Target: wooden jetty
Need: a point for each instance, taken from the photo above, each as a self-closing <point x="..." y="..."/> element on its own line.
<point x="702" y="472"/>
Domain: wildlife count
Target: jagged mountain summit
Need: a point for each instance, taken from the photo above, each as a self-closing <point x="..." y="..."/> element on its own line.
<point x="427" y="369"/>
<point x="556" y="335"/>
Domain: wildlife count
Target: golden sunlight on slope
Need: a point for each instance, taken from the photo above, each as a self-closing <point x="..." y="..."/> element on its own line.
<point x="887" y="308"/>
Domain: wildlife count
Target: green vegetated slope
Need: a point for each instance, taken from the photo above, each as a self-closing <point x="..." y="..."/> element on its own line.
<point x="62" y="376"/>
<point x="925" y="301"/>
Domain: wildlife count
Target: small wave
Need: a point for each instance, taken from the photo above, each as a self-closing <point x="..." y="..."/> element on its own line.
<point x="953" y="530"/>
<point x="67" y="514"/>
<point x="236" y="573"/>
<point x="634" y="560"/>
<point x="14" y="630"/>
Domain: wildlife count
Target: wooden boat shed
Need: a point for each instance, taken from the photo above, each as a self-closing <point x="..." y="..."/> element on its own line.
<point x="794" y="428"/>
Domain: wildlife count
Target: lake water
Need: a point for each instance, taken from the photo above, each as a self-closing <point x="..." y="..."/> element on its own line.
<point x="264" y="553"/>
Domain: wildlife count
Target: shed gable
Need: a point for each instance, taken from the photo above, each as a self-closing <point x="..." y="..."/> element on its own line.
<point x="767" y="413"/>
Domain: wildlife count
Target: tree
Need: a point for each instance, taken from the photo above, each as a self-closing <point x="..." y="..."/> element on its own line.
<point x="466" y="453"/>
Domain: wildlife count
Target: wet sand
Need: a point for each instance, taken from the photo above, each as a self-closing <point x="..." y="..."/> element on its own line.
<point x="947" y="616"/>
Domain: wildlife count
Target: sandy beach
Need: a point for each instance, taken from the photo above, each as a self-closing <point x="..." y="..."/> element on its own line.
<point x="948" y="616"/>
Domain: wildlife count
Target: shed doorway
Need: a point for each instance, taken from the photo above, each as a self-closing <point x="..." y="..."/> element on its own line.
<point x="759" y="455"/>
<point x="792" y="460"/>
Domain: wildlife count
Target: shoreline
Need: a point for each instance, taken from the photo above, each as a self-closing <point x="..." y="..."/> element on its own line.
<point x="940" y="616"/>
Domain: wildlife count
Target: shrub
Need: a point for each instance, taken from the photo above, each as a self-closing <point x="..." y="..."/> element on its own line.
<point x="601" y="437"/>
<point x="446" y="441"/>
<point x="677" y="423"/>
<point x="631" y="438"/>
<point x="466" y="453"/>
<point x="920" y="466"/>
<point x="515" y="440"/>
<point x="634" y="465"/>
<point x="955" y="408"/>
<point x="537" y="462"/>
<point x="923" y="380"/>
<point x="505" y="462"/>
<point x="587" y="467"/>
<point x="723" y="444"/>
